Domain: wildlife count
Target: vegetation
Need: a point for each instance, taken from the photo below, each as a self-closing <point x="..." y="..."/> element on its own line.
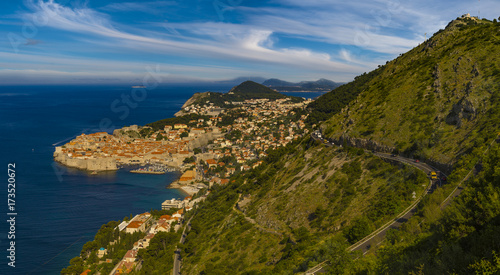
<point x="290" y="223"/>
<point x="158" y="256"/>
<point x="107" y="237"/>
<point x="433" y="102"/>
<point x="160" y="124"/>
<point x="462" y="240"/>
<point x="331" y="103"/>
<point x="244" y="91"/>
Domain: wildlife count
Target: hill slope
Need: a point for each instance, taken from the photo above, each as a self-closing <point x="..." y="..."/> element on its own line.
<point x="431" y="102"/>
<point x="241" y="92"/>
<point x="252" y="90"/>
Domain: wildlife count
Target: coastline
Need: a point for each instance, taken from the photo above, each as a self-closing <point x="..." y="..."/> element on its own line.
<point x="188" y="189"/>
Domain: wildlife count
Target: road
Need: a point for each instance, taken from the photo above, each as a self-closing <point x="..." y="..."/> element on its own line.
<point x="177" y="253"/>
<point x="378" y="235"/>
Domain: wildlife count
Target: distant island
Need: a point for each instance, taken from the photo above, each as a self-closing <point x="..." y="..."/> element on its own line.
<point x="321" y="85"/>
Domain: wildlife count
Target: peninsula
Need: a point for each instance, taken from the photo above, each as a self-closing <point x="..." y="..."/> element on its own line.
<point x="214" y="136"/>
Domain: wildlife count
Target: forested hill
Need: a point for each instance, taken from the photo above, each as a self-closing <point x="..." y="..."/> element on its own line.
<point x="241" y="92"/>
<point x="252" y="90"/>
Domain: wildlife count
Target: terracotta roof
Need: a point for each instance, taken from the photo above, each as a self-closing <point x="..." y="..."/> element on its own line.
<point x="134" y="224"/>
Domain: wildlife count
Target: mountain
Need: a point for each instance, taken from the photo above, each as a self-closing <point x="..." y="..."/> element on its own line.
<point x="238" y="80"/>
<point x="250" y="89"/>
<point x="439" y="102"/>
<point x="245" y="90"/>
<point x="318" y="85"/>
<point x="431" y="102"/>
<point x="274" y="82"/>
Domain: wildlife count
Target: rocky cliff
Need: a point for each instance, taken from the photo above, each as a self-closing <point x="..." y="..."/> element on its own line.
<point x="102" y="164"/>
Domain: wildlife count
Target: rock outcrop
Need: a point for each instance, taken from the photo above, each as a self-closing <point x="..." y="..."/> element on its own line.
<point x="464" y="109"/>
<point x="363" y="143"/>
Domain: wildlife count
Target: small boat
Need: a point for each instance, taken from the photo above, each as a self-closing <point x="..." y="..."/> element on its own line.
<point x="94" y="173"/>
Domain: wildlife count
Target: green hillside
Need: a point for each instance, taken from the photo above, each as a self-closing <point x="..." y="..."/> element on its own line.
<point x="276" y="220"/>
<point x="434" y="102"/>
<point x="252" y="90"/>
<point x="241" y="92"/>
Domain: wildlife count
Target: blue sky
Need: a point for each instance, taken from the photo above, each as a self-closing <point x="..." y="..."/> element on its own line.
<point x="100" y="41"/>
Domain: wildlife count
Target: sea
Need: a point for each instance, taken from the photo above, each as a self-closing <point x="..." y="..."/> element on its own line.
<point x="57" y="209"/>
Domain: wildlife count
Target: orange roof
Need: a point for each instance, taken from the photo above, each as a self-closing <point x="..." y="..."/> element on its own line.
<point x="86" y="272"/>
<point x="166" y="217"/>
<point x="134" y="224"/>
<point x="211" y="161"/>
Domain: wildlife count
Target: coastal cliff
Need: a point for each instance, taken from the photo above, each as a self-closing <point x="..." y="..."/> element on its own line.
<point x="100" y="164"/>
<point x="196" y="97"/>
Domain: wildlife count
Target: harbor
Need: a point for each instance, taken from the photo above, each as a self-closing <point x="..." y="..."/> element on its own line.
<point x="156" y="169"/>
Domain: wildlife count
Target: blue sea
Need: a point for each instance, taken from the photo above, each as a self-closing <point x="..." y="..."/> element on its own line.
<point x="58" y="208"/>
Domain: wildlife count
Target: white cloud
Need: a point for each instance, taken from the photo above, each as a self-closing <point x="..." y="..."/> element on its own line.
<point x="148" y="7"/>
<point x="254" y="45"/>
<point x="346" y="55"/>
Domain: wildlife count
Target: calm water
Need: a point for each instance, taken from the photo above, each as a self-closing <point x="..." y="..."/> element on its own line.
<point x="59" y="209"/>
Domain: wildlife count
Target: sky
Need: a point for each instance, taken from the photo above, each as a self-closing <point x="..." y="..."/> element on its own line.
<point x="110" y="42"/>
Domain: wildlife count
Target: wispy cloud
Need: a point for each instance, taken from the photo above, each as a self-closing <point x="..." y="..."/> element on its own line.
<point x="148" y="7"/>
<point x="46" y="69"/>
<point x="253" y="45"/>
<point x="32" y="42"/>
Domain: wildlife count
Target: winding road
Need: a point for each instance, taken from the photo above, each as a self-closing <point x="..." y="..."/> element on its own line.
<point x="378" y="235"/>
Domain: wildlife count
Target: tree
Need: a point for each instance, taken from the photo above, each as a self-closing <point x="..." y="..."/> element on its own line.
<point x="145" y="132"/>
<point x="358" y="230"/>
<point x="189" y="160"/>
<point x="184" y="134"/>
<point x="159" y="137"/>
<point x="88" y="247"/>
<point x="334" y="251"/>
<point x="76" y="266"/>
<point x="487" y="267"/>
<point x="93" y="258"/>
